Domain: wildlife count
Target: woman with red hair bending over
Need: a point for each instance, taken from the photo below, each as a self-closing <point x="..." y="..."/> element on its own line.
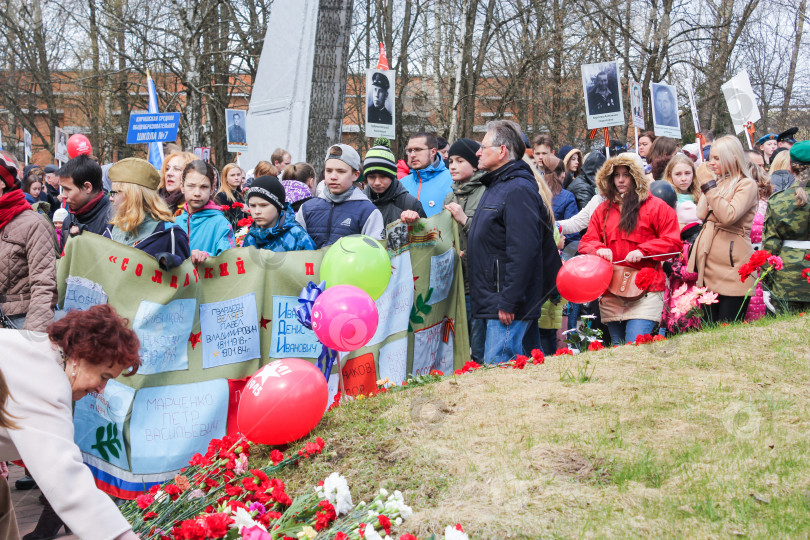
<point x="40" y="376"/>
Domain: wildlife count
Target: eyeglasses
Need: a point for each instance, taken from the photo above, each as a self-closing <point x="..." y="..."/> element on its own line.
<point x="491" y="146"/>
<point x="415" y="150"/>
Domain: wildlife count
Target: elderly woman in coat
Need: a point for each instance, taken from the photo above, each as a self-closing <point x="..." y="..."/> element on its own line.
<point x="27" y="256"/>
<point x="77" y="356"/>
<point x="727" y="208"/>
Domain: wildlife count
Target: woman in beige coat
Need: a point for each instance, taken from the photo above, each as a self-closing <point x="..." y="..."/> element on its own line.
<point x="77" y="356"/>
<point x="723" y="245"/>
<point x="27" y="256"/>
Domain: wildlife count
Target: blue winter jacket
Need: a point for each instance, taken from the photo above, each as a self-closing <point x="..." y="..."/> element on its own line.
<point x="208" y="229"/>
<point x="511" y="255"/>
<point x="168" y="244"/>
<point x="564" y="205"/>
<point x="430" y="185"/>
<point x="286" y="235"/>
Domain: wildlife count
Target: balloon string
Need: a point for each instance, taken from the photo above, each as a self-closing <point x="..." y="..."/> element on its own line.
<point x="650" y="256"/>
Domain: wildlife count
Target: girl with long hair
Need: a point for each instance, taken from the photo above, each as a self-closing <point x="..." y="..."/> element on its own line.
<point x="727" y="208"/>
<point x="680" y="172"/>
<point x="637" y="230"/>
<point x="230" y="195"/>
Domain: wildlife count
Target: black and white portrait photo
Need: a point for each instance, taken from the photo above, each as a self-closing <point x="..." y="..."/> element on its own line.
<point x="603" y="96"/>
<point x="665" y="110"/>
<point x="637" y="105"/>
<point x="237" y="134"/>
<point x="380" y="103"/>
<point x="61" y="152"/>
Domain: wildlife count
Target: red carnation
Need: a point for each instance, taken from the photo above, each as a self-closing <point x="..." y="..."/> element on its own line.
<point x="324" y="515"/>
<point x="216" y="525"/>
<point x="237" y="205"/>
<point x="276" y="457"/>
<point x="645" y="277"/>
<point x="595" y="346"/>
<point x="385" y="523"/>
<point x="344" y="536"/>
<point x="520" y="362"/>
<point x="659" y="337"/>
<point x="807" y="257"/>
<point x="537" y="357"/>
<point x="564" y="350"/>
<point x="436" y="373"/>
<point x="144" y="500"/>
<point x="458" y="527"/>
<point x="224" y="207"/>
<point x="244" y="222"/>
<point x="643" y="338"/>
<point x="806" y="274"/>
<point x="173" y="491"/>
<point x="405" y="537"/>
<point x="149" y="515"/>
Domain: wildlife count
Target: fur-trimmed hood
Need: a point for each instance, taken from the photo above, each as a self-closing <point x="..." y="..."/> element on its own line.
<point x="604" y="181"/>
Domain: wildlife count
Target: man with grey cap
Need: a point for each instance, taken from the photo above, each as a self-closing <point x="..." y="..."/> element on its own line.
<point x="340" y="209"/>
<point x="377" y="113"/>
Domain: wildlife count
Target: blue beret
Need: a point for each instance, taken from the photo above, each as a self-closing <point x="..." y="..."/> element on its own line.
<point x="768" y="137"/>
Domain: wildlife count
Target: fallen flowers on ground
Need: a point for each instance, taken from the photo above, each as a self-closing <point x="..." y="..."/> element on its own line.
<point x="687" y="305"/>
<point x="216" y="497"/>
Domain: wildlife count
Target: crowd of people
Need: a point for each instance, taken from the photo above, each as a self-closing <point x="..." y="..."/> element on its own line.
<point x="665" y="217"/>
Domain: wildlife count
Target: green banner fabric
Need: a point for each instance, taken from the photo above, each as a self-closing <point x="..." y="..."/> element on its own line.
<point x="204" y="330"/>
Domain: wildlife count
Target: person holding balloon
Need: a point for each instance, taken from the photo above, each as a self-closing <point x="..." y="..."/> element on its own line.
<point x="636" y="230"/>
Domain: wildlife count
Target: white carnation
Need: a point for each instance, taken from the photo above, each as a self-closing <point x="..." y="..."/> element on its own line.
<point x="335" y="489"/>
<point x="451" y="533"/>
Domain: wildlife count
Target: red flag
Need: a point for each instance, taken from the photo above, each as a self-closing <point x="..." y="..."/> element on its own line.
<point x="383" y="63"/>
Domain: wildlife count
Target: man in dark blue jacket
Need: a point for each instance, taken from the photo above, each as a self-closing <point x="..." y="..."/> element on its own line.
<point x="511" y="255"/>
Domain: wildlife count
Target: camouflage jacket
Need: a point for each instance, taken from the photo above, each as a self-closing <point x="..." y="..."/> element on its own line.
<point x="787" y="221"/>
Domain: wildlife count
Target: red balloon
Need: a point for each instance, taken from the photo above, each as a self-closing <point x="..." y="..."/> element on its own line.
<point x="282" y="402"/>
<point x="584" y="278"/>
<point x="77" y="145"/>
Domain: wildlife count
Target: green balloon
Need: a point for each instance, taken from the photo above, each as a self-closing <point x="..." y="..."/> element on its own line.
<point x="357" y="260"/>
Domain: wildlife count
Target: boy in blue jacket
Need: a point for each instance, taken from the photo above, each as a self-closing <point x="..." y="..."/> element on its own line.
<point x="340" y="209"/>
<point x="274" y="226"/>
<point x="208" y="230"/>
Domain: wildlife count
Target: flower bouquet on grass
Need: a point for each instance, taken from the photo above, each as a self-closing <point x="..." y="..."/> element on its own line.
<point x="686" y="308"/>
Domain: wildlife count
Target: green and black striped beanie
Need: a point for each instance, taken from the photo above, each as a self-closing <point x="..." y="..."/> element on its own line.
<point x="380" y="159"/>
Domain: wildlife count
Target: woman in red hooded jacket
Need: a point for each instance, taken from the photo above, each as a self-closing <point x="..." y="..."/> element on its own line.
<point x="631" y="227"/>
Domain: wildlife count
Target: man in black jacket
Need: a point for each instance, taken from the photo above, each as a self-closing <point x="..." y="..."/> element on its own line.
<point x="89" y="209"/>
<point x="512" y="259"/>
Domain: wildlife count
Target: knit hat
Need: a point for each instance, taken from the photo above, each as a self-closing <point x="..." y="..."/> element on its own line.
<point x="564" y="151"/>
<point x="380" y="159"/>
<point x="344" y="153"/>
<point x="8" y="172"/>
<point x="800" y="152"/>
<point x="135" y="171"/>
<point x="270" y="189"/>
<point x="60" y="215"/>
<point x="465" y="149"/>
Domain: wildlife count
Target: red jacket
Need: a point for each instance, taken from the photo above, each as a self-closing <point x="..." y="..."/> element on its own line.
<point x="656" y="232"/>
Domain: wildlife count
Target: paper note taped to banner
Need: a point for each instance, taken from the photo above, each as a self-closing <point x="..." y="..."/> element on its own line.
<point x="741" y="101"/>
<point x="99" y="423"/>
<point x="230" y="331"/>
<point x="163" y="331"/>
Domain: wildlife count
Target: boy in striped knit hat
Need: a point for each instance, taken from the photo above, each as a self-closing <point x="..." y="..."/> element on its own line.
<point x="384" y="190"/>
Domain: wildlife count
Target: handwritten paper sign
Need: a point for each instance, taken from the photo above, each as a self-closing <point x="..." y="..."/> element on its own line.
<point x="163" y="331"/>
<point x="171" y="423"/>
<point x="441" y="275"/>
<point x="359" y="375"/>
<point x="82" y="294"/>
<point x="397" y="299"/>
<point x="99" y="423"/>
<point x="394" y="361"/>
<point x="431" y="352"/>
<point x="289" y="337"/>
<point x="230" y="331"/>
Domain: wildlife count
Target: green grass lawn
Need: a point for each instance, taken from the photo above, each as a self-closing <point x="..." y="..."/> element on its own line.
<point x="704" y="435"/>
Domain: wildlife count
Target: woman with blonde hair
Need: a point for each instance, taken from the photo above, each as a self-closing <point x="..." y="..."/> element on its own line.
<point x="727" y="209"/>
<point x="170" y="179"/>
<point x="142" y="220"/>
<point x="230" y="193"/>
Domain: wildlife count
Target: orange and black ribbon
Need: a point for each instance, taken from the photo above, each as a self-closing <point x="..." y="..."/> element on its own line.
<point x="449" y="326"/>
<point x="750" y="129"/>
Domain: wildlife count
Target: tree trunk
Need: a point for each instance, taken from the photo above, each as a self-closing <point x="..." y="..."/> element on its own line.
<point x="797" y="41"/>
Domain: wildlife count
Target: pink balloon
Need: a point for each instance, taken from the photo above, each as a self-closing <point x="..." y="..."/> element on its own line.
<point x="584" y="278"/>
<point x="344" y="318"/>
<point x="77" y="145"/>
